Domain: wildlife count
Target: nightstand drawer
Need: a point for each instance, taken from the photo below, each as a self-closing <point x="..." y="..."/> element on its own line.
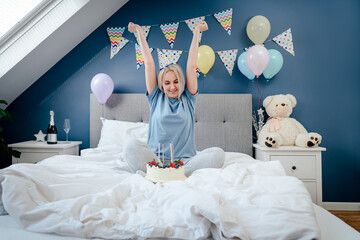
<point x="302" y="167"/>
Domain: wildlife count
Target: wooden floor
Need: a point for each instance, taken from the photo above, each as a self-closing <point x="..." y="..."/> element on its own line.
<point x="350" y="217"/>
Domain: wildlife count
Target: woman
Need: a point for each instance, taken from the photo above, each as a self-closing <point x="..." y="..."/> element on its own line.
<point x="172" y="107"/>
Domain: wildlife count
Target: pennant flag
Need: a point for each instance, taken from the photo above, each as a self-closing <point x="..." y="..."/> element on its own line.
<point x="163" y="60"/>
<point x="225" y="18"/>
<point x="139" y="57"/>
<point x="285" y="41"/>
<point x="170" y="30"/>
<point x="145" y="29"/>
<point x="168" y="57"/>
<point x="172" y="55"/>
<point x="228" y="58"/>
<point x="192" y="23"/>
<point x="197" y="72"/>
<point x="116" y="39"/>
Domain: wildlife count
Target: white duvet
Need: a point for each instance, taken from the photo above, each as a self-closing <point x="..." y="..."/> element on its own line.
<point x="93" y="196"/>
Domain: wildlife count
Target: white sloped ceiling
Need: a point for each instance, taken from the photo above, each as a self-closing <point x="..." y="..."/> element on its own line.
<point x="57" y="30"/>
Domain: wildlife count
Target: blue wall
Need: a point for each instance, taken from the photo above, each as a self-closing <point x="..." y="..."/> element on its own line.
<point x="323" y="75"/>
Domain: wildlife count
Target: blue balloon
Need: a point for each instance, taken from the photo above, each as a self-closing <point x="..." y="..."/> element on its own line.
<point x="244" y="69"/>
<point x="275" y="64"/>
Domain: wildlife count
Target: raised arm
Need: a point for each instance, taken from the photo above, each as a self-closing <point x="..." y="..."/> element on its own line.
<point x="150" y="70"/>
<point x="191" y="79"/>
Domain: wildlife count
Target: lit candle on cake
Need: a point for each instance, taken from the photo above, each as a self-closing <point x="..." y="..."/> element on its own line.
<point x="159" y="151"/>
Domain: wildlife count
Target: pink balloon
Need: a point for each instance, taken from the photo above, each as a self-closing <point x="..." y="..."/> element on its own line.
<point x="257" y="59"/>
<point x="102" y="86"/>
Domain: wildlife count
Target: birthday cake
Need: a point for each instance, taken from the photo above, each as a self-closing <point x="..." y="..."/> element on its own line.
<point x="165" y="173"/>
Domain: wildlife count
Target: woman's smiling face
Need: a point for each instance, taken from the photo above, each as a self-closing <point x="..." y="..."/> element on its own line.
<point x="171" y="85"/>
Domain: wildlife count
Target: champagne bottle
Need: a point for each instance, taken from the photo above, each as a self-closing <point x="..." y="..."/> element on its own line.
<point x="51" y="130"/>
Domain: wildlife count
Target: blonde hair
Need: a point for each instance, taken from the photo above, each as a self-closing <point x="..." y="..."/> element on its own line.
<point x="179" y="74"/>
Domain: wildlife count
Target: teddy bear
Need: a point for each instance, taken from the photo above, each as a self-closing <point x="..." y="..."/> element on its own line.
<point x="280" y="129"/>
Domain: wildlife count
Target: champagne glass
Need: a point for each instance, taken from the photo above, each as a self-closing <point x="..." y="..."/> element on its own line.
<point x="67" y="128"/>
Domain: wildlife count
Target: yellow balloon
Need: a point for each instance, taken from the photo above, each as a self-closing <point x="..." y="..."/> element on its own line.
<point x="206" y="59"/>
<point x="258" y="29"/>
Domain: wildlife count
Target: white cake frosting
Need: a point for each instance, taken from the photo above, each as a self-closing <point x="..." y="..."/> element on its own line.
<point x="156" y="174"/>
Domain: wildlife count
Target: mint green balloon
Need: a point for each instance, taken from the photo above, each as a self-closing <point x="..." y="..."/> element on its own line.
<point x="275" y="64"/>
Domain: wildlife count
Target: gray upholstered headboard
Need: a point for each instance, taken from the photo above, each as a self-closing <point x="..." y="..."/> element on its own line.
<point x="221" y="120"/>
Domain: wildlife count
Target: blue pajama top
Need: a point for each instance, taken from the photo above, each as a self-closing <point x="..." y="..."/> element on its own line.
<point x="172" y="121"/>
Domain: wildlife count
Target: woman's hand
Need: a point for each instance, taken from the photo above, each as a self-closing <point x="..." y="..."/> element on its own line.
<point x="132" y="27"/>
<point x="203" y="26"/>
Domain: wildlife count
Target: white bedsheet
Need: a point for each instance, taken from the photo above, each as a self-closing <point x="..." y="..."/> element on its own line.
<point x="92" y="196"/>
<point x="332" y="228"/>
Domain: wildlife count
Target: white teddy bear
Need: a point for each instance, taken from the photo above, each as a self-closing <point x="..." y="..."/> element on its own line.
<point x="280" y="129"/>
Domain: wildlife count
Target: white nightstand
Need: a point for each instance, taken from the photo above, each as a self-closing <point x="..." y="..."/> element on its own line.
<point x="303" y="163"/>
<point x="33" y="152"/>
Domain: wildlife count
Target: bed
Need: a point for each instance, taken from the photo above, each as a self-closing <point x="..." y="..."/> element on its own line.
<point x="94" y="195"/>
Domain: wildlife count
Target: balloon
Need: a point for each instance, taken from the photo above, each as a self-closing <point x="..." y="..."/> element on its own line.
<point x="244" y="69"/>
<point x="275" y="64"/>
<point x="206" y="59"/>
<point x="258" y="29"/>
<point x="102" y="86"/>
<point x="257" y="59"/>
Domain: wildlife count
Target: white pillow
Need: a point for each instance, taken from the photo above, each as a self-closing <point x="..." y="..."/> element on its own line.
<point x="116" y="132"/>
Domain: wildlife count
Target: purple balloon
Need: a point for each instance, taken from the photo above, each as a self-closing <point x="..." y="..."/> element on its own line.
<point x="102" y="86"/>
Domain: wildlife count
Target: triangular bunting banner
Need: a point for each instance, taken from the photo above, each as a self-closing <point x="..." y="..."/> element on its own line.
<point x="163" y="60"/>
<point x="116" y="39"/>
<point x="228" y="57"/>
<point x="172" y="55"/>
<point x="285" y="41"/>
<point x="198" y="72"/>
<point x="122" y="43"/>
<point x="168" y="57"/>
<point x="192" y="23"/>
<point x="145" y="29"/>
<point x="225" y="19"/>
<point x="139" y="57"/>
<point x="170" y="30"/>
